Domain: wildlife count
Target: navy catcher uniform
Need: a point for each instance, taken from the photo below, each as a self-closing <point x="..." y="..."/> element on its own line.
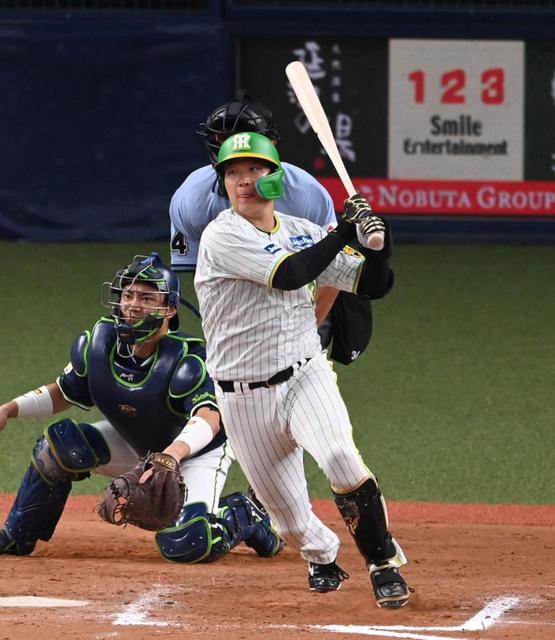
<point x="150" y="383"/>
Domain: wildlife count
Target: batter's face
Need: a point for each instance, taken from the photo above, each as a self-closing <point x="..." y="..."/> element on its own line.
<point x="240" y="178"/>
<point x="139" y="299"/>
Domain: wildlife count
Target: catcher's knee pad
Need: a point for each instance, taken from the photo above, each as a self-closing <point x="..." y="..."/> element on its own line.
<point x="69" y="451"/>
<point x="364" y="514"/>
<point x="245" y="521"/>
<point x="196" y="537"/>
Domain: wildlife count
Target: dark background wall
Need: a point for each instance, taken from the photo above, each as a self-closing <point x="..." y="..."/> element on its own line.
<point x="100" y="101"/>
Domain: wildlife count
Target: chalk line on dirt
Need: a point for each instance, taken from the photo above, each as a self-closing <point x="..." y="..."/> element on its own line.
<point x="137" y="612"/>
<point x="484" y="619"/>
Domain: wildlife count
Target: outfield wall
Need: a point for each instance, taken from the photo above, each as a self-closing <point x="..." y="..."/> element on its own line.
<point x="444" y="117"/>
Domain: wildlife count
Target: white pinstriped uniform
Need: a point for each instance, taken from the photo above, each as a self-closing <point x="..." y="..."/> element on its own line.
<point x="254" y="331"/>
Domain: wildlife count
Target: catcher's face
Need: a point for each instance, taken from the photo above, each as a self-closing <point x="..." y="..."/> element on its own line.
<point x="140" y="299"/>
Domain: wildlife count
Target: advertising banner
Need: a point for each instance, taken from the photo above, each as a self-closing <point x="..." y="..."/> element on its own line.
<point x="431" y="127"/>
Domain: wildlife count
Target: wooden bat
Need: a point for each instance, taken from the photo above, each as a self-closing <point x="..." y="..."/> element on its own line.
<point x="312" y="107"/>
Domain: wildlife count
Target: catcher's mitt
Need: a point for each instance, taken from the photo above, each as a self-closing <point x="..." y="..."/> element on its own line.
<point x="153" y="505"/>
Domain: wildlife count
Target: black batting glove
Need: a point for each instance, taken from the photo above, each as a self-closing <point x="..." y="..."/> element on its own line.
<point x="356" y="209"/>
<point x="371" y="225"/>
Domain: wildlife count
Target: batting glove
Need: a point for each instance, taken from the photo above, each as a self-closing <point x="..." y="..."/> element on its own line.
<point x="371" y="225"/>
<point x="356" y="209"/>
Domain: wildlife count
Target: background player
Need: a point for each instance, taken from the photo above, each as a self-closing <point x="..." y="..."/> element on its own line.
<point x="348" y="328"/>
<point x="274" y="384"/>
<point x="150" y="384"/>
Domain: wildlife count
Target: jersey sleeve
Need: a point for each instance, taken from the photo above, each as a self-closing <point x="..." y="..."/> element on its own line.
<point x="320" y="209"/>
<point x="73" y="383"/>
<point x="184" y="236"/>
<point x="232" y="252"/>
<point x="344" y="271"/>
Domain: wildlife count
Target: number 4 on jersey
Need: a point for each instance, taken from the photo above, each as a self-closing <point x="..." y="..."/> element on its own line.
<point x="179" y="244"/>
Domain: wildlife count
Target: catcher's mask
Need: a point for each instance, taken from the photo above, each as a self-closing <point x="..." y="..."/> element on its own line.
<point x="253" y="145"/>
<point x="244" y="114"/>
<point x="152" y="271"/>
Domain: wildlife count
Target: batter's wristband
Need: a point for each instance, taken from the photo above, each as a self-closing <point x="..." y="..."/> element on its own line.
<point x="196" y="434"/>
<point x="35" y="404"/>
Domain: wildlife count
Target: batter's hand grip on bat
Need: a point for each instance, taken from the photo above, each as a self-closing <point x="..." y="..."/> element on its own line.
<point x="310" y="104"/>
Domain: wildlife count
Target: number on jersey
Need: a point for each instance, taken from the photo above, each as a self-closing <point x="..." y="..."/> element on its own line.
<point x="179" y="244"/>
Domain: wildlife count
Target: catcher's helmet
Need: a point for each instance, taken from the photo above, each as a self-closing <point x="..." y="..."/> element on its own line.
<point x="147" y="270"/>
<point x="254" y="145"/>
<point x="240" y="115"/>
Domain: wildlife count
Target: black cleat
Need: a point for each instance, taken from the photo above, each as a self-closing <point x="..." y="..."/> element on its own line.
<point x="390" y="588"/>
<point x="325" y="577"/>
<point x="13" y="547"/>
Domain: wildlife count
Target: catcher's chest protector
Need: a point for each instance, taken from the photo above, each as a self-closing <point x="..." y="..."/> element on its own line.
<point x="133" y="408"/>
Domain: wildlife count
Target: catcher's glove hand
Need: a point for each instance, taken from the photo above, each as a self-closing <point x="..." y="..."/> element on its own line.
<point x="356" y="209"/>
<point x="153" y="504"/>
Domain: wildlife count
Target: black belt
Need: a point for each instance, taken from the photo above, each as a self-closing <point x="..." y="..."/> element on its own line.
<point x="228" y="386"/>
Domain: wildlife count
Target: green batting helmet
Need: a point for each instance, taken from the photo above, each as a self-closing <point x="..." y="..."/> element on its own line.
<point x="254" y="145"/>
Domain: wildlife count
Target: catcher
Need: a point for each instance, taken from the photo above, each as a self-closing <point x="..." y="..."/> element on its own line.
<point x="161" y="438"/>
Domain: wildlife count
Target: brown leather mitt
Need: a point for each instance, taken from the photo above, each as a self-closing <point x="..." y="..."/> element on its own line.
<point x="153" y="505"/>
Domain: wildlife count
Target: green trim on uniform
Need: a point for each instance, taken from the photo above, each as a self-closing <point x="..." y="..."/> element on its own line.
<point x="277" y="225"/>
<point x="249" y="154"/>
<point x="210" y="540"/>
<point x="85" y="356"/>
<point x="275" y="267"/>
<point x="357" y="277"/>
<point x="70" y="400"/>
<point x="124" y="383"/>
<point x="173" y="396"/>
<point x="199" y="383"/>
<point x="186" y="339"/>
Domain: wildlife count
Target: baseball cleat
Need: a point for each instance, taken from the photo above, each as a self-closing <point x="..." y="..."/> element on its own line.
<point x="325" y="577"/>
<point x="390" y="588"/>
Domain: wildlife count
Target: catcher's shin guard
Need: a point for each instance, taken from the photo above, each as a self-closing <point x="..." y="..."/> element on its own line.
<point x="248" y="523"/>
<point x="364" y="514"/>
<point x="196" y="537"/>
<point x="66" y="452"/>
<point x="35" y="513"/>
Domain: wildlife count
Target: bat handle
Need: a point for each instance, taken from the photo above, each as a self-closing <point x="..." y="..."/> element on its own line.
<point x="375" y="241"/>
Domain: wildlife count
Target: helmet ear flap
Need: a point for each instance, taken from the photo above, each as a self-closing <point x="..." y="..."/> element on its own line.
<point x="270" y="187"/>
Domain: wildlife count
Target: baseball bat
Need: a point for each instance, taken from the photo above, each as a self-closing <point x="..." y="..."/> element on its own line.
<point x="310" y="103"/>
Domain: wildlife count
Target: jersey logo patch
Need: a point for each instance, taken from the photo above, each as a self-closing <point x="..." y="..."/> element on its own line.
<point x="300" y="242"/>
<point x="351" y="252"/>
<point x="203" y="396"/>
<point x="273" y="248"/>
<point x="127" y="409"/>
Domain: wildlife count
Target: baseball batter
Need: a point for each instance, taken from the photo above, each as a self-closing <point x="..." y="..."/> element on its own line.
<point x="277" y="394"/>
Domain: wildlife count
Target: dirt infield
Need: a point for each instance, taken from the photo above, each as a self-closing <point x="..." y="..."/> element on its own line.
<point x="480" y="572"/>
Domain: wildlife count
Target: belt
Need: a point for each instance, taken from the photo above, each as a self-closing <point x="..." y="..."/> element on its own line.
<point x="228" y="386"/>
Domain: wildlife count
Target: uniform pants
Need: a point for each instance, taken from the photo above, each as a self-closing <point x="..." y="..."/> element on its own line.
<point x="269" y="427"/>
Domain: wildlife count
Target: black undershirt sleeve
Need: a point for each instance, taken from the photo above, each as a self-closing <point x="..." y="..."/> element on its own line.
<point x="376" y="278"/>
<point x="306" y="265"/>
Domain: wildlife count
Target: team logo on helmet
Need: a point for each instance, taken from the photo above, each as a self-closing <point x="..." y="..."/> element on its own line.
<point x="241" y="141"/>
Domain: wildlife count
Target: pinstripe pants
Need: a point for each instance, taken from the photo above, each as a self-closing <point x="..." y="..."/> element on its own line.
<point x="269" y="427"/>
